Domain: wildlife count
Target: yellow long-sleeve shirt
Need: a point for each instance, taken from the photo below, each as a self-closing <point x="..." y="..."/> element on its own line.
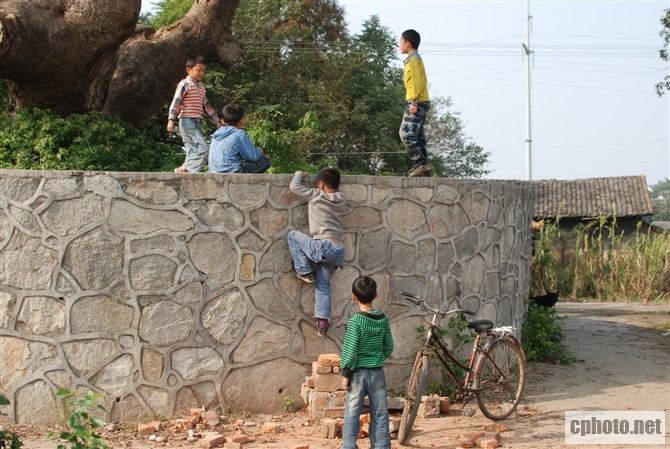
<point x="416" y="83"/>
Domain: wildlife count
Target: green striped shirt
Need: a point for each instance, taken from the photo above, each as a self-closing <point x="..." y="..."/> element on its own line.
<point x="367" y="343"/>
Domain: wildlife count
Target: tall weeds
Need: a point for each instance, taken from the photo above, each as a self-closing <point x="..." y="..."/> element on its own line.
<point x="599" y="261"/>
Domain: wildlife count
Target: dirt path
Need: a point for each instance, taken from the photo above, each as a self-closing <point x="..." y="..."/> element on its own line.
<point x="623" y="364"/>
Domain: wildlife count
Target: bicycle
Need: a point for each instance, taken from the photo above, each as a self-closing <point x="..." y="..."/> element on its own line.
<point x="495" y="374"/>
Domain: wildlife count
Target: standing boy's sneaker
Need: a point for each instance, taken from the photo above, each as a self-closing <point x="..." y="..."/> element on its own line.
<point x="309" y="277"/>
<point x="322" y="326"/>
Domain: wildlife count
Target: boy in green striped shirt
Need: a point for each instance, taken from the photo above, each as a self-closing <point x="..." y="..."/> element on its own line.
<point x="367" y="344"/>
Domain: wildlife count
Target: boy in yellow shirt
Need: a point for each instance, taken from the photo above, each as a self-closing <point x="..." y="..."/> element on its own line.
<point x="417" y="104"/>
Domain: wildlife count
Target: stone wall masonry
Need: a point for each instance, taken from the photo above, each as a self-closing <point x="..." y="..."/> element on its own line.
<point x="166" y="291"/>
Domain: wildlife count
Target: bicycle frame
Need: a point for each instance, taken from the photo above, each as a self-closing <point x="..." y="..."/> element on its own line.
<point x="437" y="347"/>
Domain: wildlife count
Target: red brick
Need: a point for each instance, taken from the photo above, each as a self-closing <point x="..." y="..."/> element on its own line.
<point x="239" y="438"/>
<point x="444" y="405"/>
<point x="149" y="429"/>
<point x="487" y="443"/>
<point x="329" y="359"/>
<point x="317" y="368"/>
<point x="212" y="440"/>
<point x="300" y="446"/>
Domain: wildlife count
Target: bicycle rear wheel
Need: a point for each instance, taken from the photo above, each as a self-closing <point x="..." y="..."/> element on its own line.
<point x="500" y="376"/>
<point x="415" y="386"/>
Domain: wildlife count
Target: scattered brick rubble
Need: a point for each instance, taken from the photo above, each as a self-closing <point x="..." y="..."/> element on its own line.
<point x="325" y="399"/>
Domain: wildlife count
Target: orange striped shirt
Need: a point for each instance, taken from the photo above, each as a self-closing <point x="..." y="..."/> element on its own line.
<point x="190" y="100"/>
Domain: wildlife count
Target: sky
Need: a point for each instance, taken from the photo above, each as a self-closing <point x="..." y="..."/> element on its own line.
<point x="594" y="111"/>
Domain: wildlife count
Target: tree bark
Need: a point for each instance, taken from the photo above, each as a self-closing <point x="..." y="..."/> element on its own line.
<point x="91" y="55"/>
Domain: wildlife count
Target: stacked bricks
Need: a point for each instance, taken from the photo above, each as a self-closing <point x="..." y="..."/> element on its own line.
<point x="322" y="390"/>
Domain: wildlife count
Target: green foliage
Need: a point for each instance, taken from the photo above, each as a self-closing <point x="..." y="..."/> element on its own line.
<point x="35" y="139"/>
<point x="80" y="422"/>
<point x="168" y="12"/>
<point x="8" y="439"/>
<point x="542" y="336"/>
<point x="289" y="404"/>
<point x="598" y="261"/>
<point x="316" y="96"/>
<point x="660" y="199"/>
<point x="664" y="86"/>
<point x="543" y="267"/>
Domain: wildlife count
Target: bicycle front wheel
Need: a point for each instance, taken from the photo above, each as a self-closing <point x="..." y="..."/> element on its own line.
<point x="415" y="386"/>
<point x="499" y="376"/>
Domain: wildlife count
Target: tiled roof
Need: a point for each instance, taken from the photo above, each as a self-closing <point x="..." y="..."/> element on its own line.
<point x="623" y="196"/>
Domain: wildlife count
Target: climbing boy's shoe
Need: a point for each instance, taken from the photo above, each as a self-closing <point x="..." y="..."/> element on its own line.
<point x="322" y="326"/>
<point x="421" y="170"/>
<point x="309" y="277"/>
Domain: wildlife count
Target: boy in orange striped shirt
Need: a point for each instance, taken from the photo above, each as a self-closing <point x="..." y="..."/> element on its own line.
<point x="188" y="104"/>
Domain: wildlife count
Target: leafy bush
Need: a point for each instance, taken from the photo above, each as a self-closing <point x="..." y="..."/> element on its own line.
<point x="8" y="440"/>
<point x="81" y="424"/>
<point x="543" y="337"/>
<point x="36" y="139"/>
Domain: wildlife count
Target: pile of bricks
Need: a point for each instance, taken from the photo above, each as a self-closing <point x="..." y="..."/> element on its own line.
<point x="322" y="390"/>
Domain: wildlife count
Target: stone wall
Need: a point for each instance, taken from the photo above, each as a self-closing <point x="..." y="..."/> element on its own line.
<point x="168" y="291"/>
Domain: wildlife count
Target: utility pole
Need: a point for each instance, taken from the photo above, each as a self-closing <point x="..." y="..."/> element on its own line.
<point x="528" y="51"/>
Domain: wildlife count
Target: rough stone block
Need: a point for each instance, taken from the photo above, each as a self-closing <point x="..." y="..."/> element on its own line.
<point x="271" y="427"/>
<point x="430" y="407"/>
<point x="335" y="412"/>
<point x="211" y="418"/>
<point x="306" y="393"/>
<point x="327" y="382"/>
<point x="329" y="428"/>
<point x="395" y="403"/>
<point x="324" y="399"/>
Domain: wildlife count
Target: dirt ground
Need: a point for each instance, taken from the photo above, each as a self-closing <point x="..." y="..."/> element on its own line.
<point x="622" y="364"/>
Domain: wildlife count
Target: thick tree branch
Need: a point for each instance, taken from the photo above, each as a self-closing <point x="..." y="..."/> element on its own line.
<point x="83" y="55"/>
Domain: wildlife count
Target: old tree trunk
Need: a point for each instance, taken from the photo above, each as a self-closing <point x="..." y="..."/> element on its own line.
<point x="91" y="55"/>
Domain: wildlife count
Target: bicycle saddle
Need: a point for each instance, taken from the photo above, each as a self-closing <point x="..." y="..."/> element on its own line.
<point x="480" y="325"/>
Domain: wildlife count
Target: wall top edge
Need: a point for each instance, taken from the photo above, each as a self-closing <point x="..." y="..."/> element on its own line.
<point x="394" y="181"/>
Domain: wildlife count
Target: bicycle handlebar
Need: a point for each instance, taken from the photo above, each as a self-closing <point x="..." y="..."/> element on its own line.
<point x="419" y="301"/>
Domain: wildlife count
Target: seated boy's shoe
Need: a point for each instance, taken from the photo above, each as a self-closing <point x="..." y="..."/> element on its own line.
<point x="322" y="326"/>
<point x="421" y="170"/>
<point x="308" y="277"/>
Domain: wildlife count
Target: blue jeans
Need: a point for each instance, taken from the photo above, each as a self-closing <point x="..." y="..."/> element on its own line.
<point x="195" y="146"/>
<point x="413" y="135"/>
<point x="327" y="256"/>
<point x="259" y="166"/>
<point x="368" y="382"/>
